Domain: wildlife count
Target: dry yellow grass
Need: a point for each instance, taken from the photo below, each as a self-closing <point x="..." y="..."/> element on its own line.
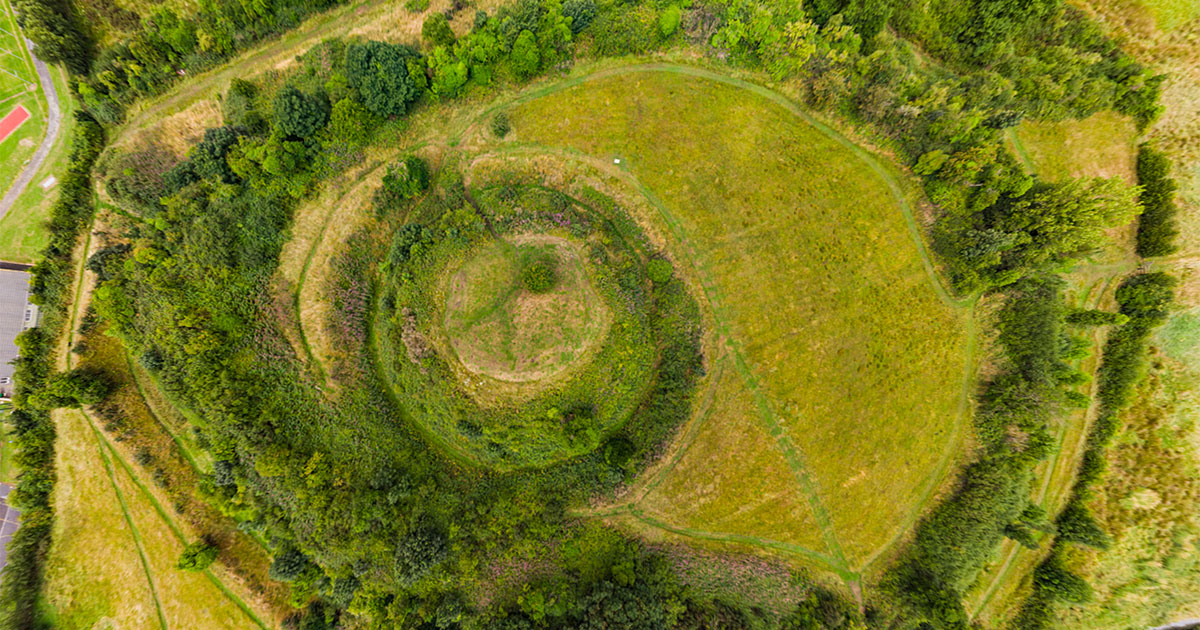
<point x="189" y="599"/>
<point x="791" y="236"/>
<point x="94" y="575"/>
<point x="730" y="478"/>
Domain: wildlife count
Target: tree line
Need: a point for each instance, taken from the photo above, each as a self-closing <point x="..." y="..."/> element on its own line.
<point x="39" y="389"/>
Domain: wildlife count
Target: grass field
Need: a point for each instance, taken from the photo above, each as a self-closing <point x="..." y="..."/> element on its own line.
<point x="1104" y="145"/>
<point x="790" y="234"/>
<point x="95" y="572"/>
<point x="18" y="86"/>
<point x="22" y="236"/>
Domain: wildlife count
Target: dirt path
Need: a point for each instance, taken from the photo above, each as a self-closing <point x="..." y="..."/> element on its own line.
<point x="53" y="121"/>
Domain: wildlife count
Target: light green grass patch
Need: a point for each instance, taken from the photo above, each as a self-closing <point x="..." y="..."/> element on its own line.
<point x="1171" y="14"/>
<point x="853" y="362"/>
<point x="1103" y="145"/>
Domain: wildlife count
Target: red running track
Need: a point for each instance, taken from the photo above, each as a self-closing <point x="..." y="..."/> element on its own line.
<point x="13" y="120"/>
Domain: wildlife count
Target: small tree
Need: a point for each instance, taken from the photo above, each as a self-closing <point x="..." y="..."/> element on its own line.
<point x="539" y="273"/>
<point x="436" y="31"/>
<point x="383" y="76"/>
<point x="197" y="556"/>
<point x="581" y="12"/>
<point x="407" y="179"/>
<point x="299" y="115"/>
<point x="525" y="57"/>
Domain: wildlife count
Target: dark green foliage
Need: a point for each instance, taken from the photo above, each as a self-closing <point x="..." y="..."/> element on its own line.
<point x="822" y="610"/>
<point x="171" y="45"/>
<point x="197" y="556"/>
<point x="1156" y="228"/>
<point x="80" y="386"/>
<point x="381" y="74"/>
<point x="1092" y="317"/>
<point x="239" y="104"/>
<point x="500" y="125"/>
<point x="581" y="12"/>
<point x="51" y="25"/>
<point x="613" y="606"/>
<point x="403" y="181"/>
<point x="539" y="273"/>
<point x="1076" y="524"/>
<point x="1053" y="577"/>
<point x="299" y="115"/>
<point x="288" y="564"/>
<point x="407" y="239"/>
<point x="436" y="31"/>
<point x="418" y="551"/>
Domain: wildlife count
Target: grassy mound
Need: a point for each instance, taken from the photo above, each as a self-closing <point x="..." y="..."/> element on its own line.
<point x="499" y="374"/>
<point x="523" y="309"/>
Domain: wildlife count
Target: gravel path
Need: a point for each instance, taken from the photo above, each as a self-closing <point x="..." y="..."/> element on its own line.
<point x="39" y="156"/>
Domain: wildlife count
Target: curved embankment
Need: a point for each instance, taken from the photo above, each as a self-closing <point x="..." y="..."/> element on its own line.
<point x="840" y="366"/>
<point x="844" y="389"/>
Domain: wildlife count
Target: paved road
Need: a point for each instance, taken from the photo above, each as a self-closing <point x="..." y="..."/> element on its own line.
<point x="43" y="150"/>
<point x="8" y="522"/>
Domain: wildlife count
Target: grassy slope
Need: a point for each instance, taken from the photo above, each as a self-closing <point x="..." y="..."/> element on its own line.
<point x="94" y="571"/>
<point x="762" y="208"/>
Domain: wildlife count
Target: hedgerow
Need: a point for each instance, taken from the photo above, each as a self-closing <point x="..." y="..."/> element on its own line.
<point x="1156" y="227"/>
<point x="1144" y="299"/>
<point x="21" y="580"/>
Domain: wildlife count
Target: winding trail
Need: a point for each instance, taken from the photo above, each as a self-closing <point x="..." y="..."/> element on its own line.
<point x="53" y="123"/>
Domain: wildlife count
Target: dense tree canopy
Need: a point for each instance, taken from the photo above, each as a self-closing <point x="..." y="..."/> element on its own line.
<point x="381" y="74"/>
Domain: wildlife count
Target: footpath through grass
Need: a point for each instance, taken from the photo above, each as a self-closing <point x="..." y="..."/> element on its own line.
<point x="842" y="393"/>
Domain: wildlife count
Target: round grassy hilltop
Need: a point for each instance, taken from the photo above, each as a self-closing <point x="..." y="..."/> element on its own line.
<point x="524" y="309"/>
<point x="527" y="338"/>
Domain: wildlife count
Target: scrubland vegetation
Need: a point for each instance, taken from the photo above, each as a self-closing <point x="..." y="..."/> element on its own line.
<point x="779" y="364"/>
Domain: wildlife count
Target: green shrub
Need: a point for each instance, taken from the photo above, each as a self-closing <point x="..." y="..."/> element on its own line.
<point x="581" y="12"/>
<point x="416" y="6"/>
<point x="539" y="273"/>
<point x="659" y="270"/>
<point x="436" y="31"/>
<point x="197" y="556"/>
<point x="668" y="21"/>
<point x="500" y="125"/>
<point x="383" y="77"/>
<point x="525" y="58"/>
<point x="299" y="115"/>
<point x="1093" y="317"/>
